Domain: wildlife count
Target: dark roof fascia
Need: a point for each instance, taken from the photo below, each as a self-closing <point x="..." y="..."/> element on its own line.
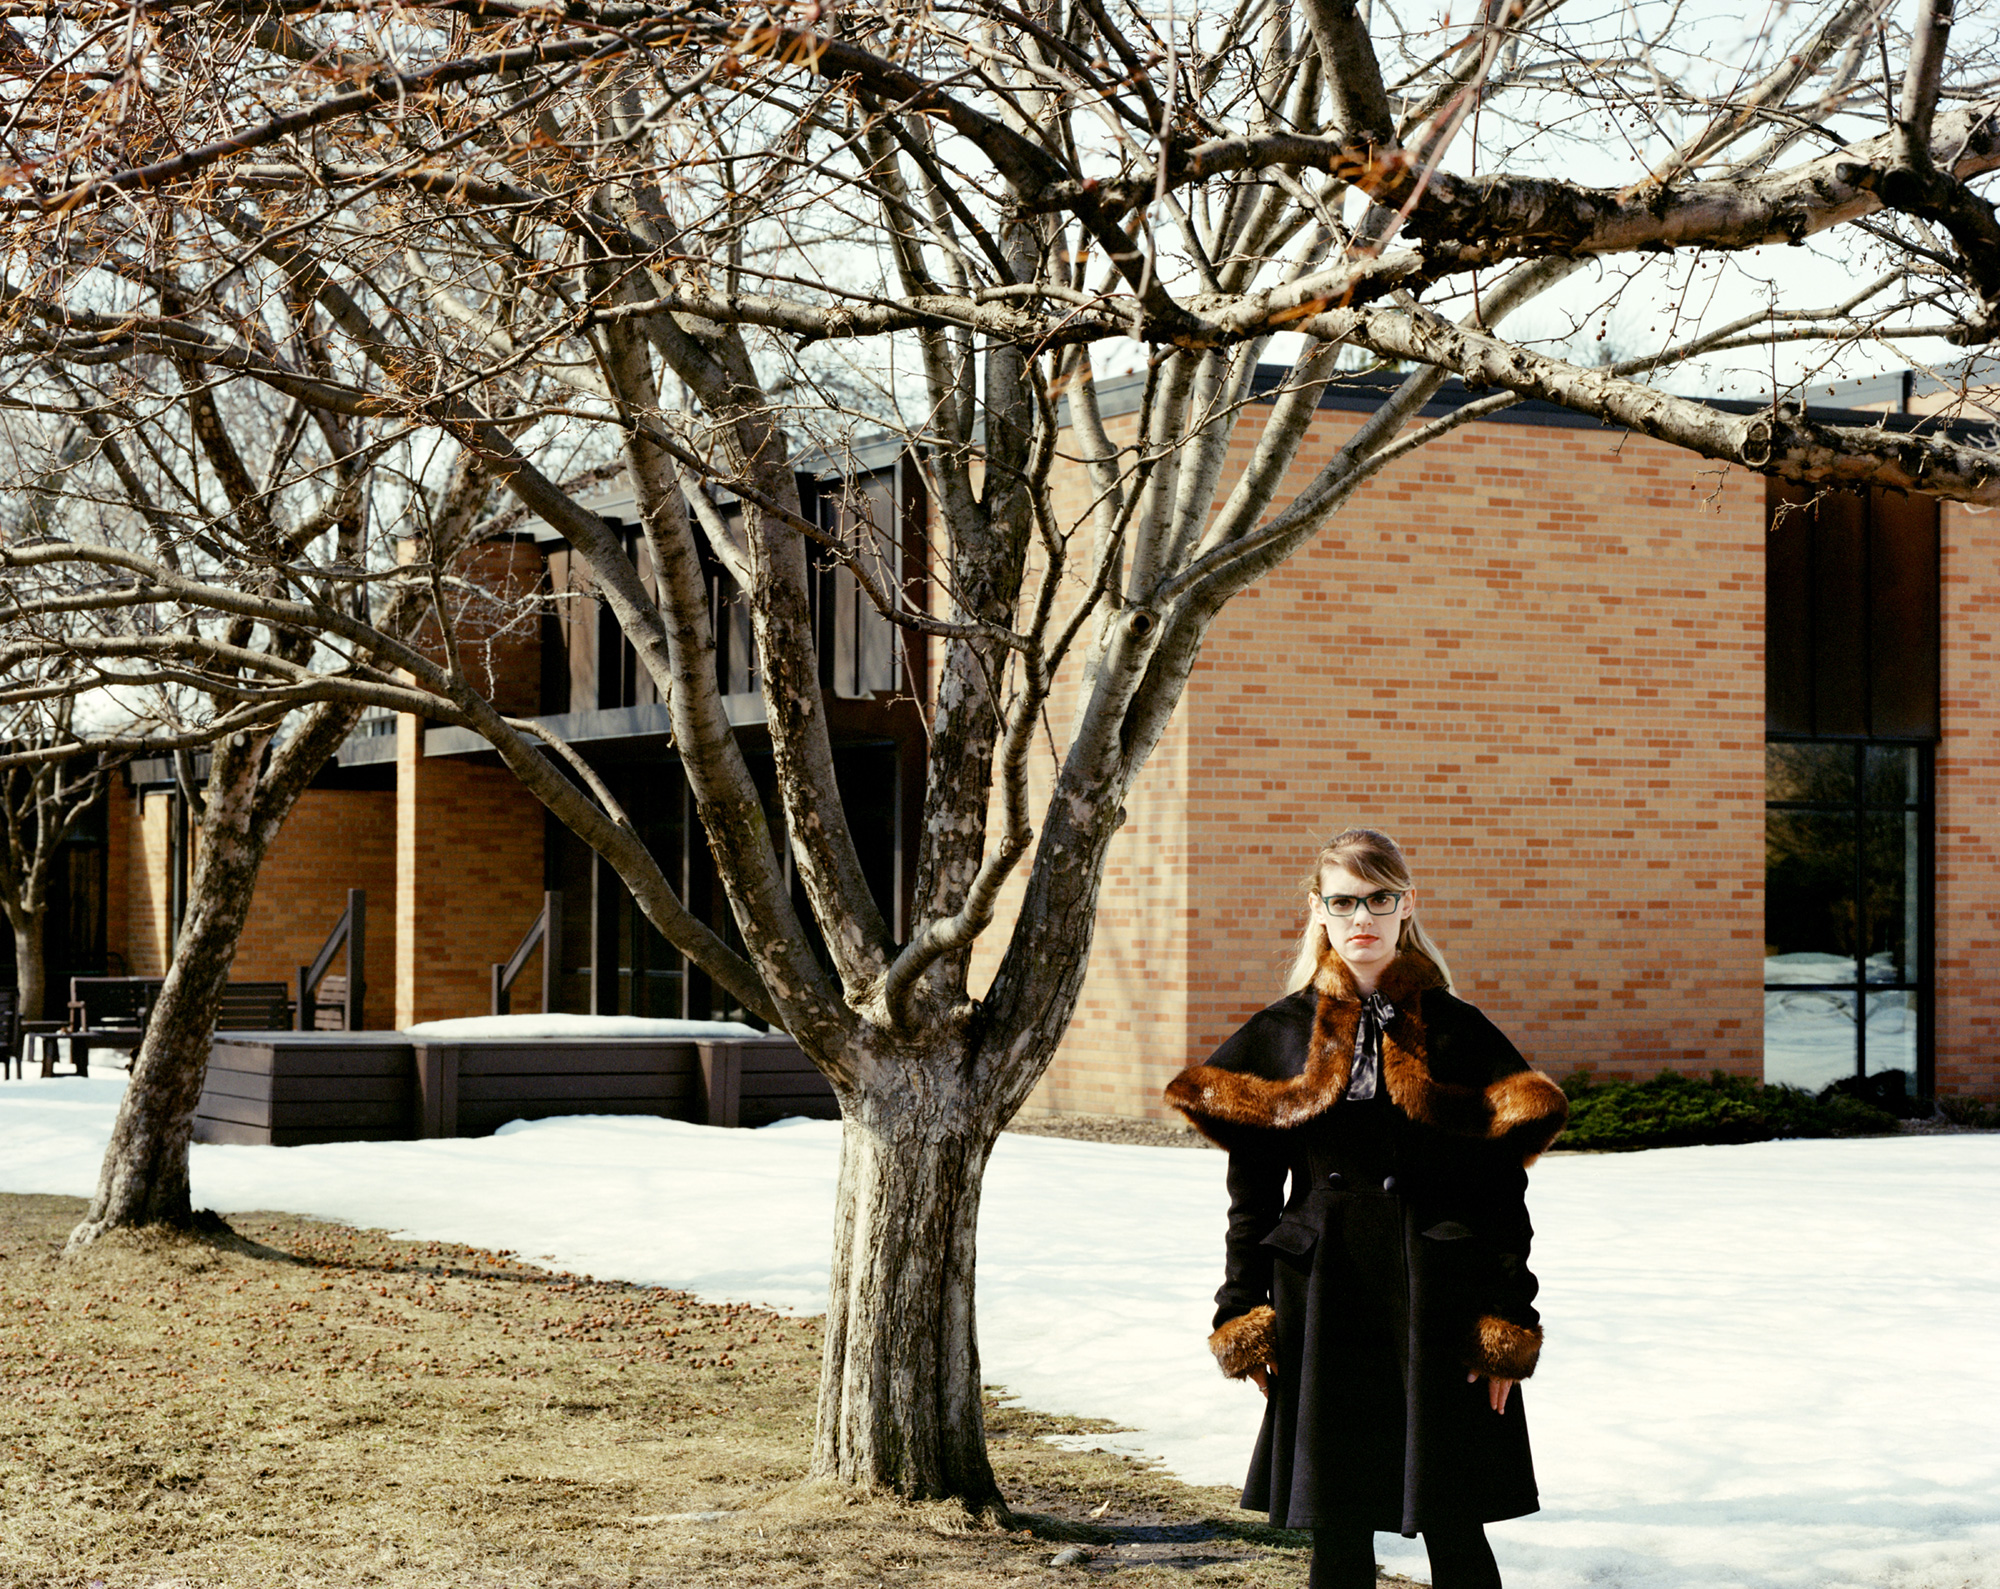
<point x="1357" y="393"/>
<point x="365" y="747"/>
<point x="368" y="744"/>
<point x="157" y="772"/>
<point x="870" y="455"/>
<point x="645" y="733"/>
<point x="1364" y="393"/>
<point x="634" y="727"/>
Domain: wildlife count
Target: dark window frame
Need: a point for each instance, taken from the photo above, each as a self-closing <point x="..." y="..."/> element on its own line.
<point x="1919" y="956"/>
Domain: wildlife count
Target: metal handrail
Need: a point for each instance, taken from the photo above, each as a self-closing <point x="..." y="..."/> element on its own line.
<point x="544" y="932"/>
<point x="352" y="931"/>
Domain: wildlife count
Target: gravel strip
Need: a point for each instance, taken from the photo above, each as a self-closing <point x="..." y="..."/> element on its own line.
<point x="1110" y="1128"/>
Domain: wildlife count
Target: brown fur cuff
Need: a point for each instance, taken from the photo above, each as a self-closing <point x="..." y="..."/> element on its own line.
<point x="1246" y="1342"/>
<point x="1502" y="1349"/>
<point x="1529" y="1111"/>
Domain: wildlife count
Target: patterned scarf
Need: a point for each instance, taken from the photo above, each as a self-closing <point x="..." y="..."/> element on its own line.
<point x="1366" y="1078"/>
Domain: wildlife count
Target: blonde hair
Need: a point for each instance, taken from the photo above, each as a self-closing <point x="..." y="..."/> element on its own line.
<point x="1374" y="858"/>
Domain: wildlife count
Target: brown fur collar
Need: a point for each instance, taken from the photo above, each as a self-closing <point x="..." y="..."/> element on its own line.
<point x="1524" y="1108"/>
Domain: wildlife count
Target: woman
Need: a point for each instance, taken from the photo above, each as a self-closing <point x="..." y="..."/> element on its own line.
<point x="1383" y="1304"/>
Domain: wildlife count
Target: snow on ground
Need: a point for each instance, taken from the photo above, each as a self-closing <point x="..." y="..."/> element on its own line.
<point x="1771" y="1367"/>
<point x="468" y="1028"/>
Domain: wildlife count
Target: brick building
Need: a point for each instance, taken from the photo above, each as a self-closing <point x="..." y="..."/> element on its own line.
<point x="455" y="857"/>
<point x="1535" y="651"/>
<point x="1693" y="773"/>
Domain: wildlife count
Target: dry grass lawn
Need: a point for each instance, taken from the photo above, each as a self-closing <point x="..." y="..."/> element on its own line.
<point x="298" y="1403"/>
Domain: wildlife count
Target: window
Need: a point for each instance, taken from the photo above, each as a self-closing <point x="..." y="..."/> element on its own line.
<point x="1851" y="638"/>
<point x="1850" y="614"/>
<point x="1847" y="840"/>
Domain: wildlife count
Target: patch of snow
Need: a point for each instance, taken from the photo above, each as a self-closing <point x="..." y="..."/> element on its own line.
<point x="1769" y="1367"/>
<point x="285" y="1035"/>
<point x="524" y="1026"/>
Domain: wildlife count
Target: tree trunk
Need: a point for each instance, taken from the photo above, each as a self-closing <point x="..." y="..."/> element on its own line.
<point x="31" y="970"/>
<point x="899" y="1405"/>
<point x="144" y="1180"/>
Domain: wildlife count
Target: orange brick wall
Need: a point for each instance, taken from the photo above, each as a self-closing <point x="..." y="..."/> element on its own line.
<point x="334" y="840"/>
<point x="468" y="881"/>
<point x="1967" y="899"/>
<point x="1146" y="965"/>
<point x="1535" y="656"/>
<point x="145" y="866"/>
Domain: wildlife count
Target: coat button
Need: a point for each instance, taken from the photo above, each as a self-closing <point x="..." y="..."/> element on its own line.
<point x="1336" y="1179"/>
<point x="1388" y="1183"/>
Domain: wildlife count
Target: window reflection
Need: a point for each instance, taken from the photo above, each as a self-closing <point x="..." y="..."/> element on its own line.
<point x="1823" y="773"/>
<point x="1808" y="1037"/>
<point x="1845" y="837"/>
<point x="1889" y="876"/>
<point x="1890" y="778"/>
<point x="1809" y="889"/>
<point x="1892" y="1033"/>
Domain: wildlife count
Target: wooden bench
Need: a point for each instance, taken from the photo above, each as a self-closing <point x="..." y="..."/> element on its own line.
<point x="111" y="1004"/>
<point x="255" y="1007"/>
<point x="329" y="1006"/>
<point x="104" y="1012"/>
<point x="112" y="1012"/>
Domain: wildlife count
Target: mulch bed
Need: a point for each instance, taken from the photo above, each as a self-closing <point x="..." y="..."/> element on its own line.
<point x="285" y="1402"/>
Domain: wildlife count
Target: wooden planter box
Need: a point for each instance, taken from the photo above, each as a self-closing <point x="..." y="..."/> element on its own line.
<point x="470" y="1088"/>
<point x="289" y="1088"/>
<point x="751" y="1081"/>
<point x="285" y="1089"/>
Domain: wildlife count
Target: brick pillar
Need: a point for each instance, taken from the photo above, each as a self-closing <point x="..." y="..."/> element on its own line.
<point x="468" y="880"/>
<point x="147" y="885"/>
<point x="121" y="825"/>
<point x="1966" y="905"/>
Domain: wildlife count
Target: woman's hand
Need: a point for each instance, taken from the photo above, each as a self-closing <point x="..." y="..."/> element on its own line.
<point x="1260" y="1376"/>
<point x="1497" y="1390"/>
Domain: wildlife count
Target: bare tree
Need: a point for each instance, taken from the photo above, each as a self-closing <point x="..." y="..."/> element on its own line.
<point x="707" y="236"/>
<point x="221" y="491"/>
<point x="278" y="727"/>
<point x="41" y="801"/>
<point x="41" y="805"/>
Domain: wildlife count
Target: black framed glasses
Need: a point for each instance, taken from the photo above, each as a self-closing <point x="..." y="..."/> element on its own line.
<point x="1382" y="902"/>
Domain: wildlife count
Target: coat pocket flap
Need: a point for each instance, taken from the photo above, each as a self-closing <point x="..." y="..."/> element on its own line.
<point x="1294" y="1236"/>
<point x="1448" y="1230"/>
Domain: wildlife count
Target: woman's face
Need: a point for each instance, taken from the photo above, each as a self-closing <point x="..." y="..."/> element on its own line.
<point x="1365" y="942"/>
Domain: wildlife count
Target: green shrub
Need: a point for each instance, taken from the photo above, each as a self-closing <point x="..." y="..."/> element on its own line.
<point x="1672" y="1110"/>
<point x="1970" y="1112"/>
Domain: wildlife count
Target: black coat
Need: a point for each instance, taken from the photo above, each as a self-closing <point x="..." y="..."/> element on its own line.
<point x="1395" y="1262"/>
